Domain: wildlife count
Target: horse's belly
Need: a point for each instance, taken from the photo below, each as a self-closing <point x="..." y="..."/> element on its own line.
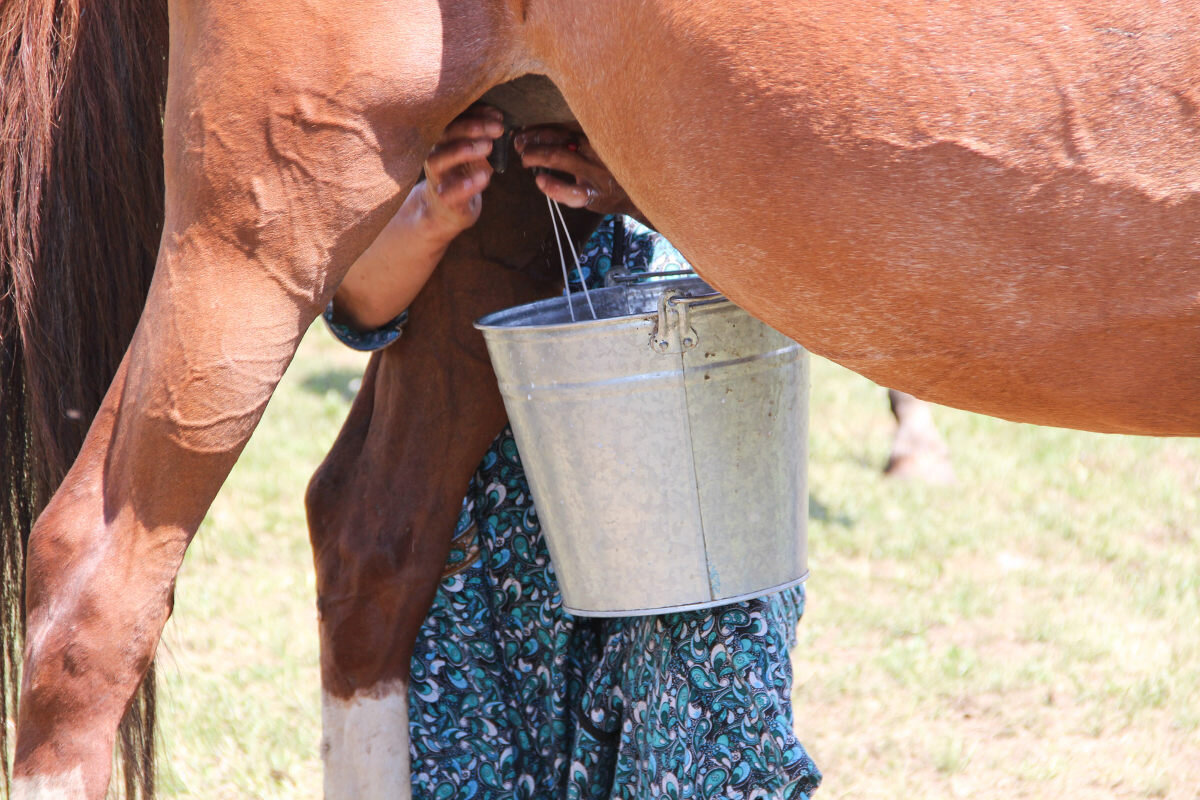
<point x="994" y="209"/>
<point x="1056" y="299"/>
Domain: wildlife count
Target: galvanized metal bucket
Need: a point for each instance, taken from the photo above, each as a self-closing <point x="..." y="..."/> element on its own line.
<point x="665" y="444"/>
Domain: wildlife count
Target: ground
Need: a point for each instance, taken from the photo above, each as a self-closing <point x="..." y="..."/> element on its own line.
<point x="1033" y="631"/>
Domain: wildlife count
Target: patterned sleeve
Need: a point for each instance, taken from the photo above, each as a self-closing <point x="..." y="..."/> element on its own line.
<point x="649" y="251"/>
<point x="645" y="250"/>
<point x="365" y="341"/>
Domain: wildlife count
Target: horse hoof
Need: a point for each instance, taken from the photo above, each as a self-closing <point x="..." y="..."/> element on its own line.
<point x="931" y="468"/>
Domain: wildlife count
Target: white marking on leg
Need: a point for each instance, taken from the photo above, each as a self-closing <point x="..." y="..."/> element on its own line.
<point x="67" y="786"/>
<point x="365" y="744"/>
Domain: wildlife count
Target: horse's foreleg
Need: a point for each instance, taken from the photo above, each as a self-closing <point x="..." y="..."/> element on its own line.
<point x="382" y="510"/>
<point x="281" y="165"/>
<point x="383" y="505"/>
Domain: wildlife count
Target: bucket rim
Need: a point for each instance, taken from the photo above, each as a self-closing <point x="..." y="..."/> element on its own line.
<point x="487" y="322"/>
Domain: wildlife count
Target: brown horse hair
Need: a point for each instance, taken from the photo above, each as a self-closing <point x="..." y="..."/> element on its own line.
<point x="82" y="91"/>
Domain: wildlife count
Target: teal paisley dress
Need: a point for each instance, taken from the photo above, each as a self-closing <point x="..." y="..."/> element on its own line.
<point x="512" y="697"/>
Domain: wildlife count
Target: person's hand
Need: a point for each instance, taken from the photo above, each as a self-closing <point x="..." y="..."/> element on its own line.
<point x="566" y="151"/>
<point x="457" y="171"/>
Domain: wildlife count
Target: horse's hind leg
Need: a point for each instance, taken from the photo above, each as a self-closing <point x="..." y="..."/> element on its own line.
<point x="383" y="505"/>
<point x="918" y="450"/>
<point x="281" y="164"/>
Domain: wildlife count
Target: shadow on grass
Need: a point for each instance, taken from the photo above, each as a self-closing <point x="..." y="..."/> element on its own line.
<point x="821" y="513"/>
<point x="341" y="380"/>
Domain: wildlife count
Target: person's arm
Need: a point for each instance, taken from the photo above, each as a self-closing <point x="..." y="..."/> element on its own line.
<point x="387" y="276"/>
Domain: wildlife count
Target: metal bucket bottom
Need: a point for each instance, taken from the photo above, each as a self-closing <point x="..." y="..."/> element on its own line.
<point x="664" y="443"/>
<point x="642" y="612"/>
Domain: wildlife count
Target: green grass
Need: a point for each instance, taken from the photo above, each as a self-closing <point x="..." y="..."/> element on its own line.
<point x="1033" y="631"/>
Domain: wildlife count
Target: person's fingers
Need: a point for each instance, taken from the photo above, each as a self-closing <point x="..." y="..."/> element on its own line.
<point x="583" y="180"/>
<point x="557" y="158"/>
<point x="460" y="185"/>
<point x="574" y="195"/>
<point x="484" y="110"/>
<point x="449" y="155"/>
<point x="544" y="135"/>
<point x="469" y="137"/>
<point x="470" y="126"/>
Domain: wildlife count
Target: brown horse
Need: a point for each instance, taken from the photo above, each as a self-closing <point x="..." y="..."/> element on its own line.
<point x="994" y="209"/>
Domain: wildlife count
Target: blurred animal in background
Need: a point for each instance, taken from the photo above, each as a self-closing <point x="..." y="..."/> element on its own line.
<point x="918" y="450"/>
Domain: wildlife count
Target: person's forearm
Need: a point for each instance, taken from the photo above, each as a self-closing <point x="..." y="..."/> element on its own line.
<point x="388" y="275"/>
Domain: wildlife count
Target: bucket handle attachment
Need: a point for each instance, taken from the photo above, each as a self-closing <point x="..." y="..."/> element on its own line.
<point x="673" y="310"/>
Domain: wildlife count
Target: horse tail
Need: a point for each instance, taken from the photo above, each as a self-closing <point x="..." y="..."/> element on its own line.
<point x="82" y="91"/>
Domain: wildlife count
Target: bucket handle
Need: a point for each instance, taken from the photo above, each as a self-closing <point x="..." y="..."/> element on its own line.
<point x="638" y="277"/>
<point x="674" y="308"/>
<point x="691" y="299"/>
